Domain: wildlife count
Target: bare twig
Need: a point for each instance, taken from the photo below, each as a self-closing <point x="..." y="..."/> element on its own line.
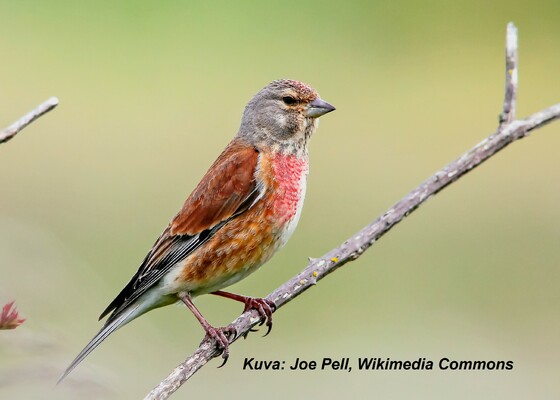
<point x="28" y="118"/>
<point x="508" y="131"/>
<point x="510" y="97"/>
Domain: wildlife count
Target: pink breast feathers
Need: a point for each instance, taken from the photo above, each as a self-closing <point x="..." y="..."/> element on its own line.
<point x="290" y="173"/>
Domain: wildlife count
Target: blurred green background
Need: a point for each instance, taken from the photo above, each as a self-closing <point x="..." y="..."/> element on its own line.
<point x="150" y="92"/>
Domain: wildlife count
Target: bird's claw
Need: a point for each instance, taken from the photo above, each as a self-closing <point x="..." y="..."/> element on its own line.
<point x="264" y="308"/>
<point x="220" y="335"/>
<point x="247" y="332"/>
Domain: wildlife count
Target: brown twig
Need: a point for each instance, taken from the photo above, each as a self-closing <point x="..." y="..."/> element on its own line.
<point x="28" y="118"/>
<point x="508" y="131"/>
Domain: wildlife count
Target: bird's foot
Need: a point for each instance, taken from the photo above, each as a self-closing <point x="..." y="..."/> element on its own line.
<point x="220" y="335"/>
<point x="264" y="307"/>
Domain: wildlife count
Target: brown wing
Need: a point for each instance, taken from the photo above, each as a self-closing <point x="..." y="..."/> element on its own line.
<point x="221" y="193"/>
<point x="228" y="189"/>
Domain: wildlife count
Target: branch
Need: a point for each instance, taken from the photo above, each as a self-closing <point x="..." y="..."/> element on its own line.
<point x="21" y="123"/>
<point x="508" y="131"/>
<point x="510" y="97"/>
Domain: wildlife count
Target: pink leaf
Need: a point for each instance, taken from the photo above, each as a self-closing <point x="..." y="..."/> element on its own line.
<point x="10" y="318"/>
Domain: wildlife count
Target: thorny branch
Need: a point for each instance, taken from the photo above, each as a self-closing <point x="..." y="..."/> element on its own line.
<point x="508" y="131"/>
<point x="28" y="118"/>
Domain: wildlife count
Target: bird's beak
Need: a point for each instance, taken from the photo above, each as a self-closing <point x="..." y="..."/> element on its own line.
<point x="318" y="107"/>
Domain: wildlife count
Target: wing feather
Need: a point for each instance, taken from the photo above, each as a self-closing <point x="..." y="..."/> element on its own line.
<point x="228" y="189"/>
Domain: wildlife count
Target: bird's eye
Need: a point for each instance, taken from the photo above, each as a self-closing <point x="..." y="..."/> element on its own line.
<point x="288" y="100"/>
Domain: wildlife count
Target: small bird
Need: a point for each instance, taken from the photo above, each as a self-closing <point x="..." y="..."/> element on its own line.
<point x="243" y="210"/>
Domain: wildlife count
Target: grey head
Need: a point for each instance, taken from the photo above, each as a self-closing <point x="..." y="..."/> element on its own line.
<point x="283" y="116"/>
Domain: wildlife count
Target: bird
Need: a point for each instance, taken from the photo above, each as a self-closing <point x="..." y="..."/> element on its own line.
<point x="244" y="209"/>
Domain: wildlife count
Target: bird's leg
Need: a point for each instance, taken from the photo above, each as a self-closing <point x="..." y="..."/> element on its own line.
<point x="220" y="335"/>
<point x="264" y="307"/>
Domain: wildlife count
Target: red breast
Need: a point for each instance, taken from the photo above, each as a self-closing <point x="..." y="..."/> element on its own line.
<point x="248" y="241"/>
<point x="290" y="175"/>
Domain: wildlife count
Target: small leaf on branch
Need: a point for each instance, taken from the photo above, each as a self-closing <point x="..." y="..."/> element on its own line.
<point x="10" y="318"/>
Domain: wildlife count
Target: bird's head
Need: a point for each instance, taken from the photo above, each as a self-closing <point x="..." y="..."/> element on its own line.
<point x="283" y="116"/>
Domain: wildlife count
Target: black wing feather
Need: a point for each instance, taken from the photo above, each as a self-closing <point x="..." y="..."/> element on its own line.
<point x="181" y="247"/>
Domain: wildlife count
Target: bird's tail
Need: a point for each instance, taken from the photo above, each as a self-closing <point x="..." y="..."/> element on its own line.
<point x="112" y="324"/>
